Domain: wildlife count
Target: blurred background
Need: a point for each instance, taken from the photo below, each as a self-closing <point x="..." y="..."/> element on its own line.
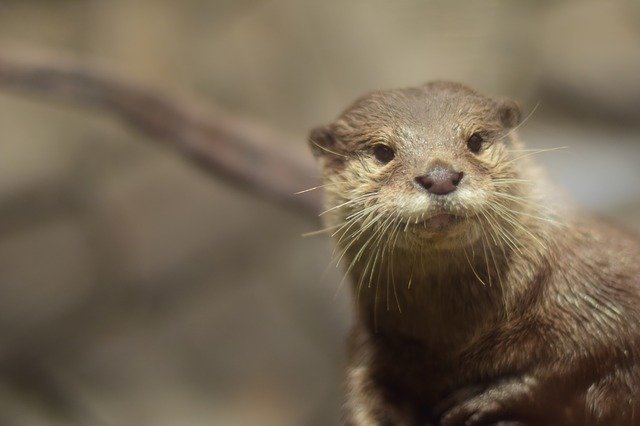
<point x="136" y="289"/>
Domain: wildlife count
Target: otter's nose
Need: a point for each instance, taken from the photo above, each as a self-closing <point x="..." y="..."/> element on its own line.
<point x="440" y="180"/>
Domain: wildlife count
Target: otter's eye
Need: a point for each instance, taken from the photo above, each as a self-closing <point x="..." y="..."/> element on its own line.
<point x="383" y="153"/>
<point x="474" y="143"/>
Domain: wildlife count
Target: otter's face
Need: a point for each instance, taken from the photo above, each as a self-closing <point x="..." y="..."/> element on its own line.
<point x="428" y="165"/>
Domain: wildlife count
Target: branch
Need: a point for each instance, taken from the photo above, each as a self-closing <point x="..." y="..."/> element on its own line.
<point x="241" y="153"/>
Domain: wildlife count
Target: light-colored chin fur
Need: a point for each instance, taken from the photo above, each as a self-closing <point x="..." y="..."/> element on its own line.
<point x="455" y="236"/>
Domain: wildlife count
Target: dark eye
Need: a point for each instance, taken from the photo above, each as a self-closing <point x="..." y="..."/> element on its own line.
<point x="474" y="143"/>
<point x="383" y="153"/>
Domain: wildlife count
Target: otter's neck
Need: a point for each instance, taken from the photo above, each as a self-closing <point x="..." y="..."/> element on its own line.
<point x="442" y="297"/>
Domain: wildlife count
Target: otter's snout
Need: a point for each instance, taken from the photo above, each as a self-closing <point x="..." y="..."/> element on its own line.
<point x="440" y="180"/>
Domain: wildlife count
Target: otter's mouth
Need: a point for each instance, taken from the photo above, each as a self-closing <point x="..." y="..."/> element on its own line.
<point x="438" y="222"/>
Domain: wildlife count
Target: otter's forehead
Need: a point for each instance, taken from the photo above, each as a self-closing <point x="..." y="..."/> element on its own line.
<point x="435" y="109"/>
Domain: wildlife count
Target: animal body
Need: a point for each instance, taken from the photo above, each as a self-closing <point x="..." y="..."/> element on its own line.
<point x="480" y="295"/>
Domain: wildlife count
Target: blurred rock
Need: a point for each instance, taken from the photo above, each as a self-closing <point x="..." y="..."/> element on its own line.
<point x="44" y="271"/>
<point x="586" y="160"/>
<point x="589" y="58"/>
<point x="36" y="163"/>
<point x="158" y="213"/>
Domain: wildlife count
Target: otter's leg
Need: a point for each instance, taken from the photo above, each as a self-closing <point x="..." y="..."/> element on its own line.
<point x="364" y="404"/>
<point x="367" y="404"/>
<point x="367" y="401"/>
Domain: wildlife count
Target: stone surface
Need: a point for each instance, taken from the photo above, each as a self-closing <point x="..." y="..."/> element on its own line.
<point x="44" y="271"/>
<point x="159" y="213"/>
<point x="589" y="57"/>
<point x="36" y="161"/>
<point x="597" y="165"/>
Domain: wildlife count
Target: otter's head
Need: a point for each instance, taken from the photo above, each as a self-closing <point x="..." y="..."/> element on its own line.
<point x="428" y="165"/>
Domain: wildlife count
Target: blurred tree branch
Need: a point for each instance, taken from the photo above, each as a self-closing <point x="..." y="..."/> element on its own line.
<point x="242" y="153"/>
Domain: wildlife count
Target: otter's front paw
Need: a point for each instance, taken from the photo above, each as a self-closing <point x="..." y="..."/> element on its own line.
<point x="499" y="404"/>
<point x="476" y="411"/>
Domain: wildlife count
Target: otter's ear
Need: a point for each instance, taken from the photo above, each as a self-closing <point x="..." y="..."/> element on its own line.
<point x="509" y="112"/>
<point x="323" y="142"/>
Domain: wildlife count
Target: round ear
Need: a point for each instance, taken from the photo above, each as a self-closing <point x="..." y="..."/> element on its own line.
<point x="323" y="142"/>
<point x="509" y="112"/>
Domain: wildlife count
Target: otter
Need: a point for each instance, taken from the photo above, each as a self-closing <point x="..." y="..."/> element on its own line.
<point x="480" y="295"/>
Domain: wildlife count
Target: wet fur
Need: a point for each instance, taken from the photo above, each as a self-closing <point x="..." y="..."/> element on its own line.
<point x="527" y="312"/>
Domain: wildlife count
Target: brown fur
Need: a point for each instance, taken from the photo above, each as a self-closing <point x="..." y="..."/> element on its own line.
<point x="523" y="312"/>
